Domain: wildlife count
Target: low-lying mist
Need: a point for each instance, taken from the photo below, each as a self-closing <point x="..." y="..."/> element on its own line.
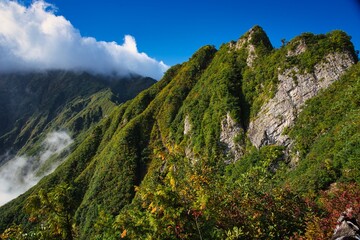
<point x="20" y="173"/>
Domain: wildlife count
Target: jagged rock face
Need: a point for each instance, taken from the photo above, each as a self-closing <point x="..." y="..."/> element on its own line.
<point x="254" y="38"/>
<point x="300" y="48"/>
<point x="347" y="226"/>
<point x="251" y="55"/>
<point x="230" y="130"/>
<point x="187" y="129"/>
<point x="293" y="90"/>
<point x="187" y="125"/>
<point x="246" y="42"/>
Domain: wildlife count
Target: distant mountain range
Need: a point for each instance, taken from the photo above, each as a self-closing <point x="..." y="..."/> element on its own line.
<point x="43" y="112"/>
<point x="241" y="142"/>
<point x="33" y="103"/>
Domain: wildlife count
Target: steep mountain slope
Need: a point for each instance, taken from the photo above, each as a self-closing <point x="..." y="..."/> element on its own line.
<point x="203" y="152"/>
<point x="46" y="114"/>
<point x="32" y="102"/>
<point x="327" y="145"/>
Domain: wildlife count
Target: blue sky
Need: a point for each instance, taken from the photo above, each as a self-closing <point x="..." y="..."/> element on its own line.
<point x="173" y="30"/>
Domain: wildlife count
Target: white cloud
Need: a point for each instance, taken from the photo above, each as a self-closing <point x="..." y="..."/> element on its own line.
<point x="34" y="38"/>
<point x="20" y="173"/>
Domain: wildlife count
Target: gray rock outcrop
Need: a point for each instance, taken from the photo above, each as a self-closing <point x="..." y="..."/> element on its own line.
<point x="187" y="125"/>
<point x="293" y="90"/>
<point x="246" y="42"/>
<point x="250" y="42"/>
<point x="230" y="131"/>
<point x="300" y="48"/>
<point x="347" y="227"/>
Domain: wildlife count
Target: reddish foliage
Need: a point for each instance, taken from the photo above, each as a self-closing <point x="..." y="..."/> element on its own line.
<point x="340" y="196"/>
<point x="196" y="213"/>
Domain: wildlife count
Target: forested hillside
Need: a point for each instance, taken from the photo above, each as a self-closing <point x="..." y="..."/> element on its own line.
<point x="47" y="114"/>
<point x="34" y="101"/>
<point x="241" y="142"/>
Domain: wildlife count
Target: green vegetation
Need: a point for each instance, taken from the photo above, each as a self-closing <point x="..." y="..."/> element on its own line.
<point x="137" y="174"/>
<point x="318" y="46"/>
<point x="82" y="101"/>
<point x="329" y="143"/>
<point x="35" y="103"/>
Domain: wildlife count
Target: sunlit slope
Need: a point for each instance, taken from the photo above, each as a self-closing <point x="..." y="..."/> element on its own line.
<point x="165" y="164"/>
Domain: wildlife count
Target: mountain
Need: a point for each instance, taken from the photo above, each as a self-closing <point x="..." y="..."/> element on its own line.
<point x="45" y="114"/>
<point x="239" y="142"/>
<point x="33" y="102"/>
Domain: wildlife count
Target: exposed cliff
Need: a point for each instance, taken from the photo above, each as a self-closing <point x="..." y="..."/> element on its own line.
<point x="294" y="88"/>
<point x="232" y="137"/>
<point x="255" y="42"/>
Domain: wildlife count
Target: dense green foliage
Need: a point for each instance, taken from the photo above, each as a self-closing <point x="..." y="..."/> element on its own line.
<point x="155" y="168"/>
<point x="329" y="143"/>
<point x="318" y="46"/>
<point x="38" y="103"/>
<point x="34" y="103"/>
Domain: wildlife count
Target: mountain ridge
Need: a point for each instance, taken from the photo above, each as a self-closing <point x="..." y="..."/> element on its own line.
<point x="47" y="93"/>
<point x="160" y="164"/>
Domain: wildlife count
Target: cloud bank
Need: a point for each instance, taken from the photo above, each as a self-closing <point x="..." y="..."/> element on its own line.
<point x="35" y="38"/>
<point x="20" y="173"/>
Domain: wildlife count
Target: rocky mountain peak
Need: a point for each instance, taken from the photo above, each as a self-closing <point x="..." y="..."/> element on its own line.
<point x="255" y="42"/>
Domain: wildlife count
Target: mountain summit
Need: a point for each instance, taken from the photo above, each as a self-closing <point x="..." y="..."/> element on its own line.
<point x="235" y="143"/>
<point x="256" y="42"/>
